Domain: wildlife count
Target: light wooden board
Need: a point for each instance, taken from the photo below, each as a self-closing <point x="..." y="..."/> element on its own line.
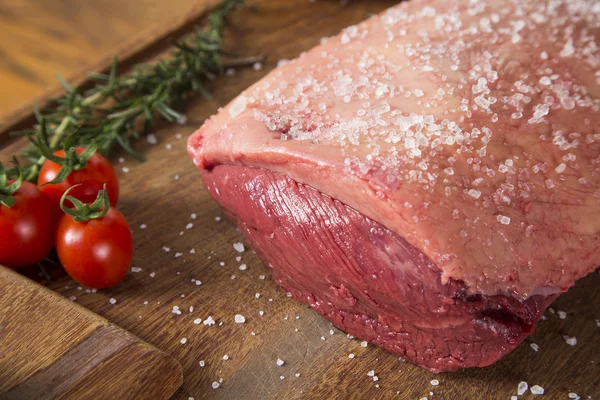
<point x="53" y="348"/>
<point x="63" y="37"/>
<point x="163" y="193"/>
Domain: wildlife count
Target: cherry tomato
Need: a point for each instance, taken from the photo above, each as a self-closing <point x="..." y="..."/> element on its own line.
<point x="92" y="178"/>
<point x="27" y="228"/>
<point x="96" y="253"/>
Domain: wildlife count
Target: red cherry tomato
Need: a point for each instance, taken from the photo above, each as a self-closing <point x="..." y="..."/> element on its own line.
<point x="27" y="228"/>
<point x="92" y="178"/>
<point x="95" y="253"/>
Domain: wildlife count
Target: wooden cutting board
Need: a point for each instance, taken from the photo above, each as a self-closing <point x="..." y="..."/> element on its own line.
<point x="181" y="241"/>
<point x="53" y="348"/>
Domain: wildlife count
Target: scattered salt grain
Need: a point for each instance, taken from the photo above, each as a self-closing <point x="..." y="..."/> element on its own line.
<point x="257" y="295"/>
<point x="351" y="355"/>
<point x="112" y="301"/>
<point x="198" y="321"/>
<point x="522" y="388"/>
<point x="257" y="66"/>
<point x="537" y="389"/>
<point x="243" y="267"/>
<point x="261" y="277"/>
<point x="209" y="321"/>
<point x="280" y="362"/>
<point x="143" y="226"/>
<point x="189" y="226"/>
<point x="151" y="139"/>
<point x="364" y="343"/>
<point x="571" y="341"/>
<point x="215" y="385"/>
<point x="435" y="382"/>
<point x="125" y="170"/>
<point x="282" y="377"/>
<point x="535" y="346"/>
<point x="136" y="269"/>
<point x="72" y="298"/>
<point x="166" y="249"/>
<point x="239" y="247"/>
<point x="225" y="357"/>
<point x="240" y="319"/>
<point x="297" y="374"/>
<point x="514" y="398"/>
<point x="183" y="341"/>
<point x="152" y="274"/>
<point x="561" y="168"/>
<point x="217" y="219"/>
<point x="562" y="315"/>
<point x="177" y="255"/>
<point x="261" y="313"/>
<point x="371" y="373"/>
<point x="168" y="146"/>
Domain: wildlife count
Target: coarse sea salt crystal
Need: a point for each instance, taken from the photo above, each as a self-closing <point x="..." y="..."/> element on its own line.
<point x="561" y="168"/>
<point x="364" y="343"/>
<point x="571" y="341"/>
<point x="202" y="363"/>
<point x="151" y="139"/>
<point x="536" y="389"/>
<point x="112" y="301"/>
<point x="240" y="319"/>
<point x="280" y="362"/>
<point x="535" y="346"/>
<point x="238" y="106"/>
<point x="435" y="382"/>
<point x="474" y="193"/>
<point x="239" y="247"/>
<point x="183" y="341"/>
<point x="562" y="314"/>
<point x="522" y="388"/>
<point x="503" y="219"/>
<point x="215" y="385"/>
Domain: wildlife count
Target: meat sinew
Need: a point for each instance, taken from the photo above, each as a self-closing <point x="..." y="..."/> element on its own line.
<point x="427" y="180"/>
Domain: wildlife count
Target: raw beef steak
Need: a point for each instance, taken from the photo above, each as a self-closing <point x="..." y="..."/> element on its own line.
<point x="428" y="180"/>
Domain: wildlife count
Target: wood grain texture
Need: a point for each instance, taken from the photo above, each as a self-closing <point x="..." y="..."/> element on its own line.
<point x="74" y="38"/>
<point x="159" y="198"/>
<point x="53" y="348"/>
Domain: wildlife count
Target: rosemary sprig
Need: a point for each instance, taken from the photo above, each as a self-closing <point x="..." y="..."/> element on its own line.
<point x="118" y="109"/>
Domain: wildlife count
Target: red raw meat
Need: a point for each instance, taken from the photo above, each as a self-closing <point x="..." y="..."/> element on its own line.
<point x="428" y="180"/>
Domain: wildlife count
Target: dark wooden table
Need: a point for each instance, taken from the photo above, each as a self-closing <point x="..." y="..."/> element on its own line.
<point x="180" y="239"/>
